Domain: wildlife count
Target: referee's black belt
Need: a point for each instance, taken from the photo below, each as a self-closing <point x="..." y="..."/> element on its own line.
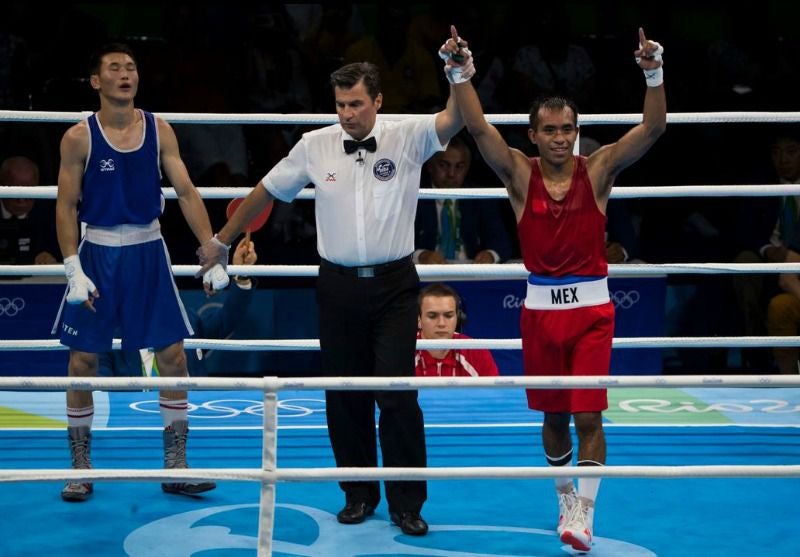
<point x="367" y="271"/>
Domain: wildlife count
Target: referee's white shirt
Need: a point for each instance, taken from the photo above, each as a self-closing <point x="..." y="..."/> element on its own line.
<point x="365" y="202"/>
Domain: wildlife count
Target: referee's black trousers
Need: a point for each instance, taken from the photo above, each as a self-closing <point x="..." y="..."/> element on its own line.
<point x="368" y="329"/>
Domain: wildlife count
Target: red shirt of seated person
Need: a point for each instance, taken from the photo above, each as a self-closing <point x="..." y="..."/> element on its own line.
<point x="439" y="316"/>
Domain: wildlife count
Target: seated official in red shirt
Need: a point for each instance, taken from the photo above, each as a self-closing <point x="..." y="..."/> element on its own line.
<point x="439" y="315"/>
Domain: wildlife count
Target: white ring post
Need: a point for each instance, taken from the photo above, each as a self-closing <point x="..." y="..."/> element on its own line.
<point x="269" y="464"/>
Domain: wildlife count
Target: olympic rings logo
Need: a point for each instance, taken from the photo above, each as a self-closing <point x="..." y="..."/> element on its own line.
<point x="11" y="306"/>
<point x="233" y="408"/>
<point x="625" y="300"/>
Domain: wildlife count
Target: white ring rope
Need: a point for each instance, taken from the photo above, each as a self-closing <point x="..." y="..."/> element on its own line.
<point x="621" y="192"/>
<point x="271" y="384"/>
<point x="308" y="344"/>
<point x="389" y="473"/>
<point x="470" y="271"/>
<point x="326" y="119"/>
<point x="269" y="474"/>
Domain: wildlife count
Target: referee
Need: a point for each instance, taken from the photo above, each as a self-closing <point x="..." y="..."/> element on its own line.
<point x="366" y="174"/>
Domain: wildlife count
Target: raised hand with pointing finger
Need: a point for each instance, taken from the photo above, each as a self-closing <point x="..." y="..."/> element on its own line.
<point x="648" y="57"/>
<point x="458" y="64"/>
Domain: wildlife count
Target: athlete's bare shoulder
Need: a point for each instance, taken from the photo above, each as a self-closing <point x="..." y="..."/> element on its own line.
<point x="76" y="138"/>
<point x="77" y="131"/>
<point x="517" y="184"/>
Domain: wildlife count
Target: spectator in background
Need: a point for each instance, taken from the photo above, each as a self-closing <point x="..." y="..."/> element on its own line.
<point x="440" y="316"/>
<point x="276" y="81"/>
<point x="494" y="50"/>
<point x="554" y="65"/>
<point x="449" y="230"/>
<point x="785" y="156"/>
<point x="622" y="240"/>
<point x="216" y="321"/>
<point x="756" y="220"/>
<point x="291" y="234"/>
<point x="15" y="60"/>
<point x="27" y="227"/>
<point x="406" y="68"/>
<point x="783" y="313"/>
<point x="339" y="27"/>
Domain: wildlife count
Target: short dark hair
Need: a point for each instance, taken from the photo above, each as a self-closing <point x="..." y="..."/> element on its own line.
<point x="438" y="290"/>
<point x="458" y="142"/>
<point x="789" y="132"/>
<point x="348" y="76"/>
<point x="551" y="103"/>
<point x="441" y="290"/>
<point x="96" y="59"/>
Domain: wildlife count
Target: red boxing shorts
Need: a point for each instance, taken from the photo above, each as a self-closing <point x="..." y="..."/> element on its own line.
<point x="567" y="342"/>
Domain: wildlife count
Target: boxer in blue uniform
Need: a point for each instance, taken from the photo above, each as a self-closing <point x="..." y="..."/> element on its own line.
<point x="119" y="273"/>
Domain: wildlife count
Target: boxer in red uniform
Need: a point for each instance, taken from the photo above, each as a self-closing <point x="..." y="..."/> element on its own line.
<point x="560" y="201"/>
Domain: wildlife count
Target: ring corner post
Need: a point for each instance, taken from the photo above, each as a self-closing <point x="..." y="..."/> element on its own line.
<point x="269" y="464"/>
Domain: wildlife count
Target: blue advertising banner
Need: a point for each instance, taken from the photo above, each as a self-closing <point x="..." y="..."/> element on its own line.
<point x="27" y="311"/>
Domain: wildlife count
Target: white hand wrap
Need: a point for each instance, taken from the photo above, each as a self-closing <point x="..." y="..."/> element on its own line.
<point x="222" y="250"/>
<point x="217" y="277"/>
<point x="461" y="73"/>
<point x="80" y="287"/>
<point x="654" y="77"/>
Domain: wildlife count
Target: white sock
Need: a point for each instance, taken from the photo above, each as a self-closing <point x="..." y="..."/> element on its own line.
<point x="172" y="410"/>
<point x="77" y="417"/>
<point x="563" y="484"/>
<point x="587" y="492"/>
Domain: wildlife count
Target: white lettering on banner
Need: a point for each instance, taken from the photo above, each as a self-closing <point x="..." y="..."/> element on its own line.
<point x="512" y="302"/>
<point x="625" y="300"/>
<point x="659" y="406"/>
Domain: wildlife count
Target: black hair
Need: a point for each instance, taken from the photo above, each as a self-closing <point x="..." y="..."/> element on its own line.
<point x="784" y="131"/>
<point x="348" y="76"/>
<point x="551" y="103"/>
<point x="96" y="59"/>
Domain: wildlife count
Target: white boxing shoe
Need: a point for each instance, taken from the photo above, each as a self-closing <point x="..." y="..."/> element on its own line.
<point x="567" y="500"/>
<point x="577" y="532"/>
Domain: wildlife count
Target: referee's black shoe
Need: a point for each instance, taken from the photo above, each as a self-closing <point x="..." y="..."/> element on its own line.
<point x="410" y="523"/>
<point x="355" y="512"/>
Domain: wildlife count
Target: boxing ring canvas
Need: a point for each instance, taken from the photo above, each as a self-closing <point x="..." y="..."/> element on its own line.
<point x="468" y="517"/>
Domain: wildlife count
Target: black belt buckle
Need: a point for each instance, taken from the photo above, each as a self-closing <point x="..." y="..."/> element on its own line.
<point x="366" y="272"/>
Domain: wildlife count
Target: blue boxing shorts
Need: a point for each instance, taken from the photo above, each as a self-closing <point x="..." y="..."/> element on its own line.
<point x="139" y="300"/>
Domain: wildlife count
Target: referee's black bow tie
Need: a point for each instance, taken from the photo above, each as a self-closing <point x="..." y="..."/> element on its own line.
<point x="351" y="146"/>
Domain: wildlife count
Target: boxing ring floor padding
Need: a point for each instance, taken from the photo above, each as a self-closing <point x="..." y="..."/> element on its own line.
<point x="465" y="427"/>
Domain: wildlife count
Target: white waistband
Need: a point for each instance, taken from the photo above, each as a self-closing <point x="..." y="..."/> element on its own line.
<point x="568" y="295"/>
<point x="123" y="234"/>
